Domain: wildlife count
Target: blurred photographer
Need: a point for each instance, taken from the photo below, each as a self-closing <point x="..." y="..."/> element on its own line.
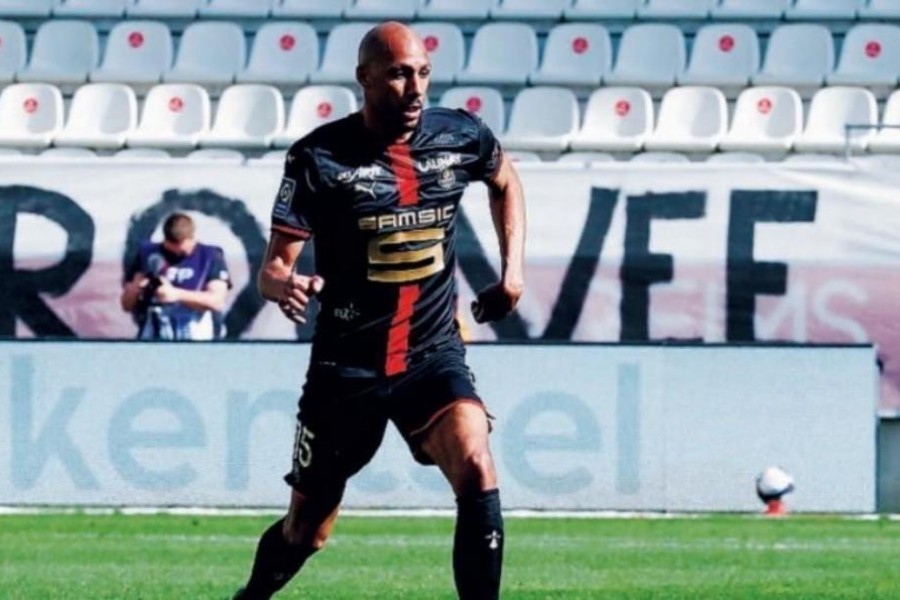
<point x="176" y="288"/>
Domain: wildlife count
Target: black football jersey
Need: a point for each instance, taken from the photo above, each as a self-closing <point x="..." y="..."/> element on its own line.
<point x="384" y="222"/>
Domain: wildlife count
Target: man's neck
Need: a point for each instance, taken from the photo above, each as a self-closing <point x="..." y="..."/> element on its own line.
<point x="385" y="136"/>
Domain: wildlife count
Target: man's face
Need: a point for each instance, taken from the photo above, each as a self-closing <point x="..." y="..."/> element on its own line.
<point x="182" y="248"/>
<point x="396" y="89"/>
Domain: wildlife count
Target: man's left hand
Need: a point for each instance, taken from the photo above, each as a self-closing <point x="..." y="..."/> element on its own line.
<point x="167" y="293"/>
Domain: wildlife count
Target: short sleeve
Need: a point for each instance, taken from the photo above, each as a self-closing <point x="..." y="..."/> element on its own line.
<point x="218" y="270"/>
<point x="489" y="152"/>
<point x="291" y="213"/>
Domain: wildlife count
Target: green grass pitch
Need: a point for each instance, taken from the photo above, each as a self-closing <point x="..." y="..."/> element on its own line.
<point x="164" y="557"/>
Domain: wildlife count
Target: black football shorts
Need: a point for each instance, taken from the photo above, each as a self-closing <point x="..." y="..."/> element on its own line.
<point x="342" y="419"/>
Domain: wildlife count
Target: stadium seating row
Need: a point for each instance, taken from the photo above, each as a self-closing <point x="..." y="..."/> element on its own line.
<point x="766" y="119"/>
<point x="286" y="54"/>
<point x="461" y="9"/>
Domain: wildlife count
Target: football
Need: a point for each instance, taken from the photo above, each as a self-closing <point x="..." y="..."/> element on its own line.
<point x="773" y="483"/>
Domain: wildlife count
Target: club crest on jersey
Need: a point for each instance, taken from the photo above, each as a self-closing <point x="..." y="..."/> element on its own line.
<point x="446" y="179"/>
<point x="285" y="196"/>
<point x="440" y="163"/>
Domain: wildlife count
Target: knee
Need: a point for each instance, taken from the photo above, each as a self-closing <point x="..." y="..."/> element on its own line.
<point x="475" y="472"/>
<point x="298" y="533"/>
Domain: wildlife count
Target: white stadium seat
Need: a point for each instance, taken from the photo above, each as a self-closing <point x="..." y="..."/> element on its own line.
<point x="341" y="53"/>
<point x="530" y="9"/>
<point x="731" y="158"/>
<point x="812" y="10"/>
<point x="799" y="56"/>
<point x="725" y="56"/>
<point x="165" y="8"/>
<point x="446" y="49"/>
<point x="502" y="53"/>
<point x="64" y="52"/>
<point x="312" y="107"/>
<point x="101" y="116"/>
<point x="575" y="54"/>
<point x="654" y="158"/>
<point x="68" y="154"/>
<point x="248" y="116"/>
<point x="141" y="154"/>
<point x="766" y="119"/>
<point x="219" y="155"/>
<point x="383" y="9"/>
<point x="137" y="52"/>
<point x="27" y="8"/>
<point x="31" y="114"/>
<point x="675" y="9"/>
<point x="602" y="9"/>
<point x="830" y="111"/>
<point x="13" y="50"/>
<point x="522" y="156"/>
<point x="691" y="119"/>
<point x="542" y="119"/>
<point x="651" y="55"/>
<point x="175" y="115"/>
<point x="484" y="102"/>
<point x="750" y="9"/>
<point x="870" y="56"/>
<point x="311" y="8"/>
<point x="616" y="119"/>
<point x="237" y="8"/>
<point x="880" y="9"/>
<point x="586" y="158"/>
<point x="284" y="53"/>
<point x="887" y="140"/>
<point x="457" y="9"/>
<point x="271" y="157"/>
<point x="91" y="8"/>
<point x="210" y="53"/>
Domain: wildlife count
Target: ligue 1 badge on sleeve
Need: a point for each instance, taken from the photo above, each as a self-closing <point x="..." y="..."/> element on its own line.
<point x="285" y="195"/>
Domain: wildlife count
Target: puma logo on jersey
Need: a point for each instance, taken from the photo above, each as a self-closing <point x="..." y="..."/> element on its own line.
<point x="366" y="190"/>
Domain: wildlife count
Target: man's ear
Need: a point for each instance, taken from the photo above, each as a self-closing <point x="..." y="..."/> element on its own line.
<point x="362" y="77"/>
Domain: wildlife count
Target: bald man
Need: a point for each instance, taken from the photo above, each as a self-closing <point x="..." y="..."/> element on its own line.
<point x="380" y="191"/>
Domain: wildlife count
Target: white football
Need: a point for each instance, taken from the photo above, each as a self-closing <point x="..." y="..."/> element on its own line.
<point x="773" y="483"/>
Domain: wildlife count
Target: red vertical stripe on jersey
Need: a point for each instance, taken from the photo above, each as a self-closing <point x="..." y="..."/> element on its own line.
<point x="401" y="324"/>
<point x="404" y="170"/>
<point x="398" y="336"/>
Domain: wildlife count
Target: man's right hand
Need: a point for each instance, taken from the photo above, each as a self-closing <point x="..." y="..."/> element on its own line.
<point x="298" y="289"/>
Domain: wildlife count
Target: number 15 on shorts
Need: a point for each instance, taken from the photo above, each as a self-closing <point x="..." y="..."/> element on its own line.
<point x="302" y="449"/>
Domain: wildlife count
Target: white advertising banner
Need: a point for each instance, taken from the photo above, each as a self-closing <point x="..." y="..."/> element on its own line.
<point x="619" y="253"/>
<point x="578" y="426"/>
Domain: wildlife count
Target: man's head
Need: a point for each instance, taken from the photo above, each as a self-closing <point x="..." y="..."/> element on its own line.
<point x="178" y="233"/>
<point x="394" y="72"/>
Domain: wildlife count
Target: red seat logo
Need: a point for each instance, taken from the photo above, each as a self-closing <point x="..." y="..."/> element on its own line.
<point x="764" y="106"/>
<point x="324" y="110"/>
<point x="580" y="45"/>
<point x="431" y="43"/>
<point x="623" y="107"/>
<point x="30" y="105"/>
<point x="287" y="42"/>
<point x="135" y="39"/>
<point x="176" y="104"/>
<point x="473" y="104"/>
<point x="726" y="43"/>
<point x="873" y="49"/>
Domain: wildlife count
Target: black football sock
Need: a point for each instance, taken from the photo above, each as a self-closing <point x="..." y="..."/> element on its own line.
<point x="478" y="546"/>
<point x="276" y="563"/>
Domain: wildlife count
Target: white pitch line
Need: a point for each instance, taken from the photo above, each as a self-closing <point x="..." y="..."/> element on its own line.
<point x="203" y="511"/>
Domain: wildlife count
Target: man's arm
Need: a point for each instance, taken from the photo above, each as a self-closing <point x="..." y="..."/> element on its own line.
<point x="212" y="297"/>
<point x="508" y="212"/>
<point x="277" y="281"/>
<point x="132" y="292"/>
